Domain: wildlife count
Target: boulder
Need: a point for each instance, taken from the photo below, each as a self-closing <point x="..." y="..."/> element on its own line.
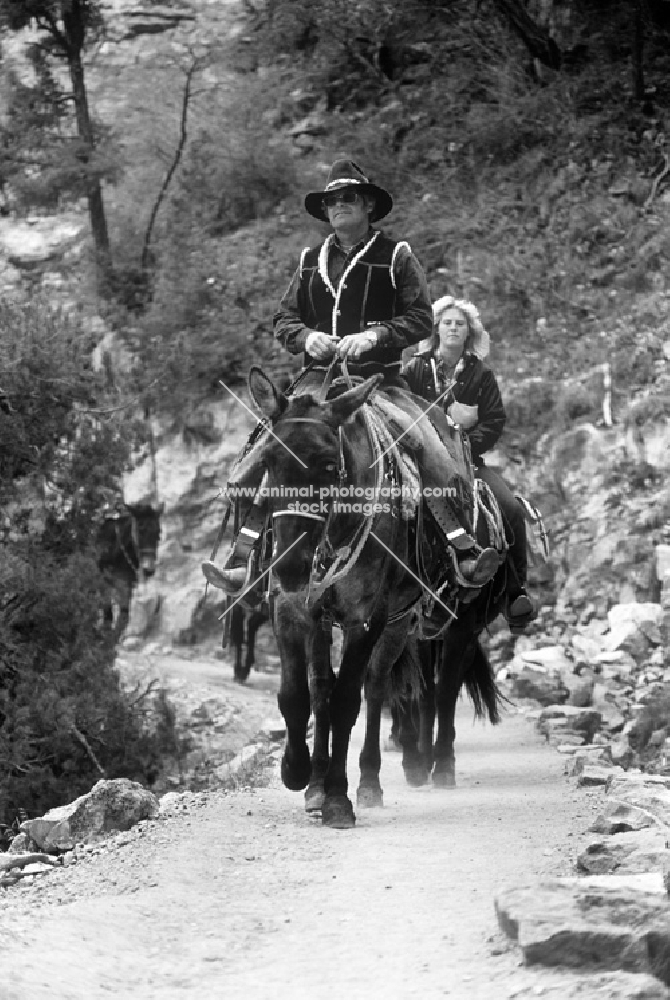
<point x="596" y="986"/>
<point x="639" y="851"/>
<point x="547" y="688"/>
<point x="608" y="924"/>
<point x="621" y="817"/>
<point x="549" y="657"/>
<point x="589" y="756"/>
<point x="592" y="775"/>
<point x="110" y="805"/>
<point x="585" y="721"/>
<point x="635" y="613"/>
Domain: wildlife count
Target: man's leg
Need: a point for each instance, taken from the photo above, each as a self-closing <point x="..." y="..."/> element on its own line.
<point x="520" y="608"/>
<point x="251" y="514"/>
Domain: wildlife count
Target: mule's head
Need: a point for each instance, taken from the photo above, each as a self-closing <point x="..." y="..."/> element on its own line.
<point x="145" y="533"/>
<point x="303" y="459"/>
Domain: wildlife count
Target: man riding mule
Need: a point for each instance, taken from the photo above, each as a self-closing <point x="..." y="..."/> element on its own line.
<point x="354" y="569"/>
<point x="356" y="302"/>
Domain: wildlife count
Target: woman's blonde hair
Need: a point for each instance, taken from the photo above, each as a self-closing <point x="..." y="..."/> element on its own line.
<point x="478" y="341"/>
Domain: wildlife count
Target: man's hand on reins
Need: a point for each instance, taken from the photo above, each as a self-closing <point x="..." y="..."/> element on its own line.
<point x="321" y="346"/>
<point x="355" y="344"/>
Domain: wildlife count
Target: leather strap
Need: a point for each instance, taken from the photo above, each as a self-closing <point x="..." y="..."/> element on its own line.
<point x="452" y="529"/>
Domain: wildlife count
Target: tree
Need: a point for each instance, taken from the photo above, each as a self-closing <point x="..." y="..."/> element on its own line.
<point x="65" y="718"/>
<point x="538" y="42"/>
<point x="64" y="28"/>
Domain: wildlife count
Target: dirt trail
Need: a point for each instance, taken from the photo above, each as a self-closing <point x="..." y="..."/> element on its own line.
<point x="245" y="896"/>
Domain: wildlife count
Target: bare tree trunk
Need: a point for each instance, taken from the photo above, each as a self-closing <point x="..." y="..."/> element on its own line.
<point x="538" y="41"/>
<point x="74" y="21"/>
<point x="638" y="51"/>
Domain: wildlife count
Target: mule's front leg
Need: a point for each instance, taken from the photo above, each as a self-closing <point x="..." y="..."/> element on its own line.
<point x="429" y="653"/>
<point x="384" y="660"/>
<point x="369" y="794"/>
<point x="345" y="704"/>
<point x="294" y="705"/>
<point x="321" y="682"/>
<point x="454" y="659"/>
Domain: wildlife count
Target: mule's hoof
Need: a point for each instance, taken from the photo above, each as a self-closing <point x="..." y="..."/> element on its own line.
<point x="368" y="797"/>
<point x="444" y="778"/>
<point x="338" y="813"/>
<point x="296" y="770"/>
<point x="416" y="776"/>
<point x="314" y="798"/>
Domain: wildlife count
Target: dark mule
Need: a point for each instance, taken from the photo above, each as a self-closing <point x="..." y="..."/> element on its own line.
<point x="128" y="542"/>
<point x="330" y="564"/>
<point x="448" y="663"/>
<point x="244" y="625"/>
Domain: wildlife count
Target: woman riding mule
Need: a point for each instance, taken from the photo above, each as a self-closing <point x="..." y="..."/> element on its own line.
<point x="454" y="372"/>
<point x="358" y="298"/>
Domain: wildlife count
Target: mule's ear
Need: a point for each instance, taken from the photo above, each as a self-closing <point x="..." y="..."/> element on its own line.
<point x="269" y="400"/>
<point x="337" y="410"/>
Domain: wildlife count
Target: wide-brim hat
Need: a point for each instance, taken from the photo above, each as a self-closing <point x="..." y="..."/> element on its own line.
<point x="481" y="342"/>
<point x="345" y="173"/>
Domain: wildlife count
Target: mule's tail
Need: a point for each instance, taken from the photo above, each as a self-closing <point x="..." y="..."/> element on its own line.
<point x="480" y="684"/>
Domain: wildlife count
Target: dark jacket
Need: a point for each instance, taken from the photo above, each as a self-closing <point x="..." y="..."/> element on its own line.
<point x="379" y="283"/>
<point x="476" y="385"/>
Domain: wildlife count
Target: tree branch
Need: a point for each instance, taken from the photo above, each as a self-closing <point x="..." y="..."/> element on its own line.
<point x="47" y="22"/>
<point x="186" y="97"/>
<point x="87" y="747"/>
<point x="538" y="41"/>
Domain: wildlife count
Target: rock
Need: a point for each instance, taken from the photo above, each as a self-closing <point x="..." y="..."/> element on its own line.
<point x="33" y="241"/>
<point x="597" y="986"/>
<point x="636" y="613"/>
<point x="586" y="647"/>
<point x="662" y="555"/>
<point x="585" y="721"/>
<point x="639" y="851"/>
<point x="622" y="752"/>
<point x="621" y="817"/>
<point x="587" y="922"/>
<point x="110" y="805"/>
<point x="152" y="21"/>
<point x="589" y="756"/>
<point x="629" y="638"/>
<point x="549" y="657"/>
<point x="20" y="844"/>
<point x="615" y="664"/>
<point x="274" y="728"/>
<point x="548" y="689"/>
<point x="581" y="694"/>
<point x="591" y="775"/>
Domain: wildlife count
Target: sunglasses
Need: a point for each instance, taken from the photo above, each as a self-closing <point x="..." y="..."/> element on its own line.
<point x="348" y="196"/>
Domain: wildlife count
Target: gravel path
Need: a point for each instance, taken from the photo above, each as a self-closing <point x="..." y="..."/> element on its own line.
<point x="242" y="895"/>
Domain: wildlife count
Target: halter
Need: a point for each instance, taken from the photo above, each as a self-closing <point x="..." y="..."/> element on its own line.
<point x="341" y="471"/>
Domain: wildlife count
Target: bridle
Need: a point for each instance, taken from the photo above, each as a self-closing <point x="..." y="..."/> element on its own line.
<point x="341" y="472"/>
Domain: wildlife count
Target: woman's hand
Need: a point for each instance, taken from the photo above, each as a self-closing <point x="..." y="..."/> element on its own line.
<point x="463" y="415"/>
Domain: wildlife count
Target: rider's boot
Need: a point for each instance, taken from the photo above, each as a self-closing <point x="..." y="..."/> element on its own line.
<point x="477" y="566"/>
<point x="237" y="568"/>
<point x="520" y="612"/>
